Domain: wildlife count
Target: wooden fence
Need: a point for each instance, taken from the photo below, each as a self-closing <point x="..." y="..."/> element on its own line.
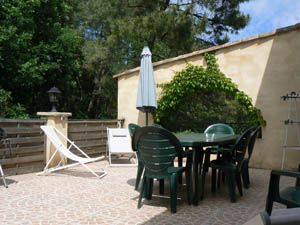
<point x="23" y="148"/>
<point x="90" y="135"/>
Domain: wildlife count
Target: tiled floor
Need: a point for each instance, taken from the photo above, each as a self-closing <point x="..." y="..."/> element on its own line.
<point x="74" y="196"/>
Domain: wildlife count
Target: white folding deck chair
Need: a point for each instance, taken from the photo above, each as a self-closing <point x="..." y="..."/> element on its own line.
<point x="3" y="177"/>
<point x="3" y="140"/>
<point x="119" y="143"/>
<point x="53" y="135"/>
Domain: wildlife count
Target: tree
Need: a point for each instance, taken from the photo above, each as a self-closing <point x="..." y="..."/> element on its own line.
<point x="39" y="49"/>
<point x="78" y="45"/>
<point x="115" y="32"/>
<point x="169" y="28"/>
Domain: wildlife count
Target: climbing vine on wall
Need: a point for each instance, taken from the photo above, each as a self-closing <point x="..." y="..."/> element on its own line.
<point x="198" y="96"/>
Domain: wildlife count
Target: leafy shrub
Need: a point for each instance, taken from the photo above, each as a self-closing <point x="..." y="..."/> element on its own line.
<point x="197" y="97"/>
<point x="9" y="110"/>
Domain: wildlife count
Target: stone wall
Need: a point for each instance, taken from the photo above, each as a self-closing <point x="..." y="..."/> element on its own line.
<point x="265" y="67"/>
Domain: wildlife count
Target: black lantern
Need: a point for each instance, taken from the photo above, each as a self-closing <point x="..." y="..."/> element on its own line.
<point x="54" y="94"/>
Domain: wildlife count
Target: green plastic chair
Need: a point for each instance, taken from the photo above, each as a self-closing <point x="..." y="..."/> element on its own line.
<point x="132" y="129"/>
<point x="158" y="148"/>
<point x="245" y="166"/>
<point x="217" y="128"/>
<point x="229" y="165"/>
<point x="289" y="196"/>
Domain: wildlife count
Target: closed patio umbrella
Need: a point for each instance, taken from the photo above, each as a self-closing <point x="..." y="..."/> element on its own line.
<point x="146" y="97"/>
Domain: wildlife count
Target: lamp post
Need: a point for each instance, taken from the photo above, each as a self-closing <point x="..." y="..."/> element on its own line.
<point x="54" y="94"/>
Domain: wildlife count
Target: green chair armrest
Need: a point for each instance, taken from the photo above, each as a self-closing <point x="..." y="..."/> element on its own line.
<point x="286" y="173"/>
<point x="212" y="149"/>
<point x="224" y="150"/>
<point x="175" y="170"/>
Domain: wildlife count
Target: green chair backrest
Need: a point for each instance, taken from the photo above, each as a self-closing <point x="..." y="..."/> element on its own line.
<point x="132" y="127"/>
<point x="240" y="147"/>
<point x="157" y="148"/>
<point x="219" y="128"/>
<point x="156" y="125"/>
<point x="252" y="141"/>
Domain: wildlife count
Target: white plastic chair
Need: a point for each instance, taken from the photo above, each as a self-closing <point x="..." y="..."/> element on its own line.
<point x="119" y="143"/>
<point x="52" y="134"/>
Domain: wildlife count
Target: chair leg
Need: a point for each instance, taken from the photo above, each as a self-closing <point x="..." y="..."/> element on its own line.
<point x="151" y="189"/>
<point x="161" y="186"/>
<point x="202" y="185"/>
<point x="272" y="192"/>
<point x="245" y="174"/>
<point x="223" y="177"/>
<point x="3" y="177"/>
<point x="173" y="192"/>
<point x="142" y="190"/>
<point x="139" y="173"/>
<point x="148" y="188"/>
<point x="230" y="177"/>
<point x="219" y="178"/>
<point x="204" y="171"/>
<point x="213" y="179"/>
<point x="188" y="178"/>
<point x="206" y="161"/>
<point x="269" y="205"/>
<point x="180" y="165"/>
<point x="239" y="183"/>
<point x="197" y="156"/>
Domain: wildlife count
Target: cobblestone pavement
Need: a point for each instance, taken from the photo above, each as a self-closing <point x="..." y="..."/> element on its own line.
<point x="74" y="196"/>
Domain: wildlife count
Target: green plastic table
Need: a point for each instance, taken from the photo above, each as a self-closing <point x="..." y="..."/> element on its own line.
<point x="197" y="141"/>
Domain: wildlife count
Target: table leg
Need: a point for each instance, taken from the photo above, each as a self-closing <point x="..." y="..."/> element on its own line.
<point x="189" y="177"/>
<point x="198" y="158"/>
<point x="204" y="171"/>
<point x="180" y="156"/>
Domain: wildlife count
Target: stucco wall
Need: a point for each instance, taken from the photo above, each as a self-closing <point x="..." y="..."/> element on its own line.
<point x="265" y="68"/>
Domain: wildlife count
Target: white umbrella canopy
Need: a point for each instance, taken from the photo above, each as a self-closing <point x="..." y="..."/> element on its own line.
<point x="146" y="97"/>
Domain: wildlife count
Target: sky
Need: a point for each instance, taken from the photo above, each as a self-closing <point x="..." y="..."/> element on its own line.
<point x="268" y="15"/>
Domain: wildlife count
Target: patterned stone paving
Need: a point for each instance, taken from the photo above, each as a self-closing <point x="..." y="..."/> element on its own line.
<point x="74" y="196"/>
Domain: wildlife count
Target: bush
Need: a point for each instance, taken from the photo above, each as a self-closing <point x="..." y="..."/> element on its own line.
<point x="9" y="110"/>
<point x="197" y="97"/>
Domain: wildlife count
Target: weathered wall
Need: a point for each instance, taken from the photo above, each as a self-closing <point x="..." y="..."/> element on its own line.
<point x="264" y="67"/>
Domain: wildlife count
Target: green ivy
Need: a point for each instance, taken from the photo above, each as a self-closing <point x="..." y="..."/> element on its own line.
<point x="198" y="96"/>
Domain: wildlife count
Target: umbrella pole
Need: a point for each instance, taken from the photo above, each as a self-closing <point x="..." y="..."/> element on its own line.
<point x="146" y="118"/>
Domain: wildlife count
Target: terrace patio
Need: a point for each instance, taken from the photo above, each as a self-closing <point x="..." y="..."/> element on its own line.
<point x="75" y="196"/>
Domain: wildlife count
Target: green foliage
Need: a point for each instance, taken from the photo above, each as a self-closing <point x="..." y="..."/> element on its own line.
<point x="120" y="29"/>
<point x="198" y="96"/>
<point x="39" y="49"/>
<point x="9" y="110"/>
<point x="116" y="31"/>
<point x="77" y="45"/>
